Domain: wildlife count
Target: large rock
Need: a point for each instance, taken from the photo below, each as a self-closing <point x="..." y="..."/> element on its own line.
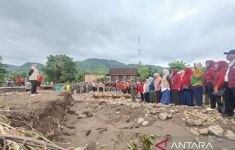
<point x="163" y="116"/>
<point x="230" y="135"/>
<point x="216" y="130"/>
<point x="204" y="131"/>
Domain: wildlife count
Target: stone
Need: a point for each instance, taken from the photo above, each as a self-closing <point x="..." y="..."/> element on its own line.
<point x="176" y="110"/>
<point x="216" y="130"/>
<point x="172" y="111"/>
<point x="204" y="131"/>
<point x="198" y="123"/>
<point x="81" y="116"/>
<point x="92" y="146"/>
<point x="153" y="112"/>
<point x="169" y="116"/>
<point x="194" y="131"/>
<point x="72" y="112"/>
<point x="219" y="118"/>
<point x="88" y="132"/>
<point x="189" y="123"/>
<point x="145" y="123"/>
<point x="88" y="113"/>
<point x="230" y="135"/>
<point x="140" y="120"/>
<point x="128" y="120"/>
<point x="103" y="103"/>
<point x="162" y="109"/>
<point x="163" y="116"/>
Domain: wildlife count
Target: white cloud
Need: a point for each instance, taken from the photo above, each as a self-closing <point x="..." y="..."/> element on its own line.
<point x="188" y="30"/>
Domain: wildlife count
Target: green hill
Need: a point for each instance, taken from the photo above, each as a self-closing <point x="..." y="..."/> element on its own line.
<point x="24" y="67"/>
<point x="92" y="65"/>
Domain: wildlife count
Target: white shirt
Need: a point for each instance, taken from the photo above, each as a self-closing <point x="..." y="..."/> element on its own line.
<point x="146" y="88"/>
<point x="229" y="66"/>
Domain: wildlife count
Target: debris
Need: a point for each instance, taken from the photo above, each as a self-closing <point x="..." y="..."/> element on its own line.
<point x="140" y="120"/>
<point x="163" y="116"/>
<point x="204" y="131"/>
<point x="81" y="116"/>
<point x="230" y="135"/>
<point x="189" y="122"/>
<point x="128" y="120"/>
<point x="88" y="113"/>
<point x="103" y="103"/>
<point x="169" y="116"/>
<point x="73" y="112"/>
<point x="194" y="131"/>
<point x="216" y="130"/>
<point x="198" y="123"/>
<point x="88" y="132"/>
<point x="145" y="123"/>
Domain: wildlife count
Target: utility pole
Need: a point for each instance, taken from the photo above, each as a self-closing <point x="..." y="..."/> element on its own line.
<point x="139" y="51"/>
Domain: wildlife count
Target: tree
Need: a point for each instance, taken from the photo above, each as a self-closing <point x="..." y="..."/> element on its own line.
<point x="60" y="68"/>
<point x="144" y="72"/>
<point x="177" y="64"/>
<point x="13" y="75"/>
<point x="80" y="76"/>
<point x="2" y="71"/>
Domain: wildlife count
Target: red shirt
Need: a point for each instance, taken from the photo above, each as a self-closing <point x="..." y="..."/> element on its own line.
<point x="210" y="75"/>
<point x="176" y="82"/>
<point x="40" y="78"/>
<point x="141" y="88"/>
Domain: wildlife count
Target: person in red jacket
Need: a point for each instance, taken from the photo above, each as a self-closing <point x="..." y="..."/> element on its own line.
<point x="40" y="80"/>
<point x="208" y="81"/>
<point x="221" y="67"/>
<point x="186" y="98"/>
<point x="175" y="87"/>
<point x="141" y="90"/>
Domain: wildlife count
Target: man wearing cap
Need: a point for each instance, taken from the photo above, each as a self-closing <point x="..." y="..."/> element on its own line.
<point x="229" y="79"/>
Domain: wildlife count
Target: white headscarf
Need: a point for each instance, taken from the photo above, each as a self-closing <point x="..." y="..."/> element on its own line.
<point x="165" y="74"/>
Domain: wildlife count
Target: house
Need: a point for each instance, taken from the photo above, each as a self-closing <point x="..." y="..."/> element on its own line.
<point x="123" y="74"/>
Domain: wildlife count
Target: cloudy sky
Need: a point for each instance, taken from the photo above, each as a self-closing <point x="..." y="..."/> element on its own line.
<point x="188" y="30"/>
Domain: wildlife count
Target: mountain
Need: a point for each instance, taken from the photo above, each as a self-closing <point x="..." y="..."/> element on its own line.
<point x="91" y="65"/>
<point x="94" y="65"/>
<point x="24" y="67"/>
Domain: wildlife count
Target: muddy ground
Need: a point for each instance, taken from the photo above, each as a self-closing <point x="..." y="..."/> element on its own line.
<point x="108" y="124"/>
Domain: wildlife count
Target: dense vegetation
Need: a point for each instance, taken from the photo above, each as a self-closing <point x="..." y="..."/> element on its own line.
<point x="2" y="71"/>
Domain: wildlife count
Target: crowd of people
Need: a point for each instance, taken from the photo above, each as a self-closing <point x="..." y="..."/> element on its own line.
<point x="180" y="87"/>
<point x="187" y="86"/>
